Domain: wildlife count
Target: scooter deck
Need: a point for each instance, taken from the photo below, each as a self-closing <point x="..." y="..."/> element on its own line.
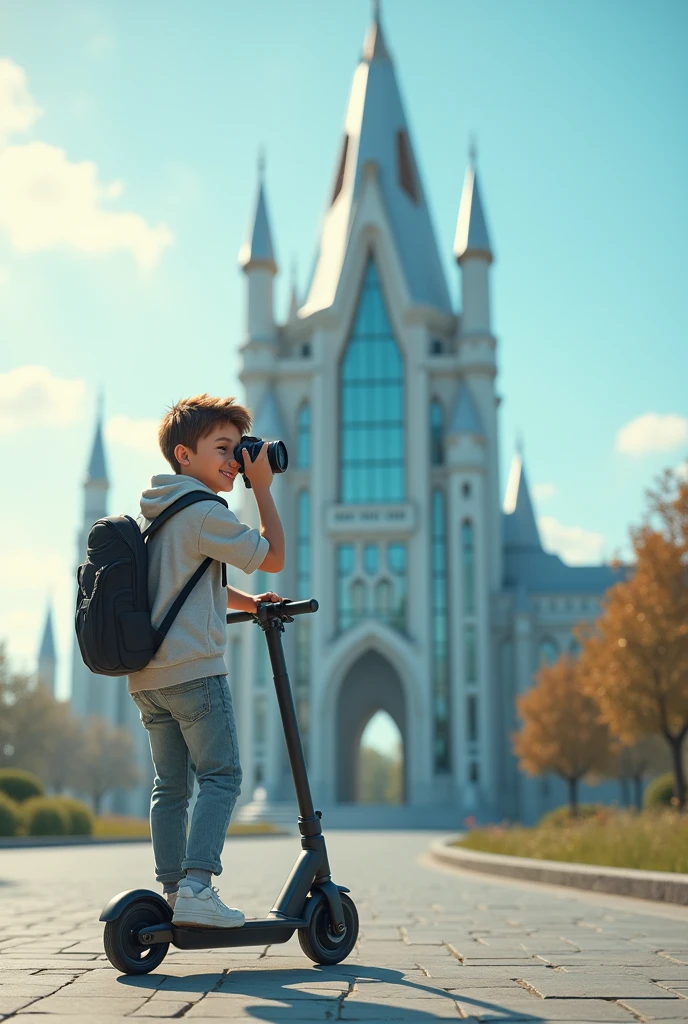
<point x="255" y="932"/>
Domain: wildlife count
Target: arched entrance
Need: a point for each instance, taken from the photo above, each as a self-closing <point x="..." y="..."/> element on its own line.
<point x="370" y="685"/>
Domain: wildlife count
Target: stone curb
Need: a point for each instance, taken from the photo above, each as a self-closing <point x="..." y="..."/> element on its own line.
<point x="662" y="886"/>
<point x="26" y="842"/>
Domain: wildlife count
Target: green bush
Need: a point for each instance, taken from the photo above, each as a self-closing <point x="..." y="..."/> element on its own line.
<point x="660" y="792"/>
<point x="80" y="816"/>
<point x="20" y="785"/>
<point x="561" y="816"/>
<point x="46" y="816"/>
<point x="10" y="818"/>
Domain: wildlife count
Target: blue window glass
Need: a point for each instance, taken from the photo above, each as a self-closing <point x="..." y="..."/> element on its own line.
<point x="549" y="652"/>
<point x="345" y="565"/>
<point x="303" y="437"/>
<point x="472" y="718"/>
<point x="372" y="404"/>
<point x="370" y="558"/>
<point x="396" y="559"/>
<point x="471" y="654"/>
<point x="436" y="433"/>
<point x="440" y="648"/>
<point x="302" y="679"/>
<point x="468" y="556"/>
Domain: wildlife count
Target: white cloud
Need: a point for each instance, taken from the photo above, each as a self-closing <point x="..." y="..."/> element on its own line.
<point x="47" y="200"/>
<point x="653" y="432"/>
<point x="140" y="435"/>
<point x="575" y="545"/>
<point x="18" y="112"/>
<point x="33" y="396"/>
<point x="543" y="491"/>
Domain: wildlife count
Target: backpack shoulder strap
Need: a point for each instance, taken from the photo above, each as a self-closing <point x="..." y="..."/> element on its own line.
<point x="164" y="627"/>
<point x="186" y="499"/>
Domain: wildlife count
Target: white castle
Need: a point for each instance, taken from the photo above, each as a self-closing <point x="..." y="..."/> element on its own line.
<point x="437" y="600"/>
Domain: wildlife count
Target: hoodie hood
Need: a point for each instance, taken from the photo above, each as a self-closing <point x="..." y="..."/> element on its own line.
<point x="166" y="488"/>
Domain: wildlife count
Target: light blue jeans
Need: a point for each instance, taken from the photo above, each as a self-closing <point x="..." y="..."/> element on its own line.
<point x="192" y="732"/>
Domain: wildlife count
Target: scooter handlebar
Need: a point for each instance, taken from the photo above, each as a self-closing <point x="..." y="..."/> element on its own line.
<point x="283" y="608"/>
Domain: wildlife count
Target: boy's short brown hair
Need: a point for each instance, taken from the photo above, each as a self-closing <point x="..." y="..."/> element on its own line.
<point x="190" y="419"/>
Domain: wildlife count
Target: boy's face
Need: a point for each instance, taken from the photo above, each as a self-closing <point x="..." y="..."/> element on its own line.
<point x="213" y="462"/>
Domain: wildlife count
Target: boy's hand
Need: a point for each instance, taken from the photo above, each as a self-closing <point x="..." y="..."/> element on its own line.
<point x="267" y="596"/>
<point x="258" y="472"/>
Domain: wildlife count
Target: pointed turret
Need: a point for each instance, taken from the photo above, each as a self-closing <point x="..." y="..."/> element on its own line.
<point x="97" y="470"/>
<point x="474" y="255"/>
<point x="465" y="418"/>
<point x="377" y="137"/>
<point x="520" y="527"/>
<point x="472" y="239"/>
<point x="47" y="657"/>
<point x="257" y="260"/>
<point x="294" y="301"/>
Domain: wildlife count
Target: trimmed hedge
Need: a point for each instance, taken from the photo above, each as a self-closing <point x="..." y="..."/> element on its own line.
<point x="660" y="792"/>
<point x="80" y="816"/>
<point x="20" y="785"/>
<point x="10" y="817"/>
<point x="46" y="816"/>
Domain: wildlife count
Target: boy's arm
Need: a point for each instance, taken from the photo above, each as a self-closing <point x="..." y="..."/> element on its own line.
<point x="270" y="528"/>
<point x="248" y="602"/>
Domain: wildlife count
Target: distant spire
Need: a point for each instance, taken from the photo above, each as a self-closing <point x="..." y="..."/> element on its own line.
<point x="374" y="47"/>
<point x="520" y="527"/>
<point x="47" y="657"/>
<point x="257" y="250"/>
<point x="97" y="470"/>
<point x="471" y="229"/>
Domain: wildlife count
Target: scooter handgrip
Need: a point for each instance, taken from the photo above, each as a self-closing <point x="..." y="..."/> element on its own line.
<point x="233" y="617"/>
<point x="301" y="607"/>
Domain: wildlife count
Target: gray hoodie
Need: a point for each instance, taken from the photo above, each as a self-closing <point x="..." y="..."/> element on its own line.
<point x="195" y="645"/>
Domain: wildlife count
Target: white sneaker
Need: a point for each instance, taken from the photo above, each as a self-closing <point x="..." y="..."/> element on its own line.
<point x="204" y="909"/>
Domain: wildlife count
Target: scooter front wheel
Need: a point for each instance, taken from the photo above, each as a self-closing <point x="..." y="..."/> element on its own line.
<point x="319" y="941"/>
<point x="122" y="946"/>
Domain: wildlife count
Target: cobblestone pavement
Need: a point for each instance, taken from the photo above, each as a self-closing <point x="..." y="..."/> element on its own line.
<point x="435" y="944"/>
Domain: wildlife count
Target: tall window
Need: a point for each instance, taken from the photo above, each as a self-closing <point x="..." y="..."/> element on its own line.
<point x="440" y="653"/>
<point x="549" y="652"/>
<point x="302" y="624"/>
<point x="396" y="562"/>
<point x="468" y="558"/>
<point x="471" y="654"/>
<point x="303" y="437"/>
<point x="436" y="433"/>
<point x="345" y="568"/>
<point x="372" y="404"/>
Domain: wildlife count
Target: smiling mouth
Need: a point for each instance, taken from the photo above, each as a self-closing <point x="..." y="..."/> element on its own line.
<point x="230" y="476"/>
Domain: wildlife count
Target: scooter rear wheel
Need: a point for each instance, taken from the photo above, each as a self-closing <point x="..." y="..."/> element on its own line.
<point x="122" y="946"/>
<point x="320" y="943"/>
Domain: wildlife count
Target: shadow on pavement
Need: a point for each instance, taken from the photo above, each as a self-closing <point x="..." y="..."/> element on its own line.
<point x="274" y="984"/>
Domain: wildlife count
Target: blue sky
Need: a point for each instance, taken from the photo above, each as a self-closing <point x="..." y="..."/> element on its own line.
<point x="128" y="141"/>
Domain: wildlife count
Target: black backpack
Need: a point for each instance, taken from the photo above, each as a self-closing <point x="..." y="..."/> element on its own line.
<point x="113" y="619"/>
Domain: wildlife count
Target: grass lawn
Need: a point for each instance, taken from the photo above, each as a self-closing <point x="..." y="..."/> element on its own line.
<point x="120" y="826"/>
<point x="652" y="840"/>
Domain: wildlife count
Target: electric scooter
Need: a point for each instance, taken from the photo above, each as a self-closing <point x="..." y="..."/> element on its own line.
<point x="138" y="922"/>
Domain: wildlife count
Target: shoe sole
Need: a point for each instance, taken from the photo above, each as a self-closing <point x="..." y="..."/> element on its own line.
<point x="204" y="924"/>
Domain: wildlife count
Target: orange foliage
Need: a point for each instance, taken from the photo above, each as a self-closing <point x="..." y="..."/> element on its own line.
<point x="562" y="731"/>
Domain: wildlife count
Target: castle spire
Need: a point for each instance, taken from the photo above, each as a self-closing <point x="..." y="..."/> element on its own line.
<point x="520" y="527"/>
<point x="47" y="658"/>
<point x="471" y="230"/>
<point x="377" y="139"/>
<point x="257" y="250"/>
<point x="97" y="470"/>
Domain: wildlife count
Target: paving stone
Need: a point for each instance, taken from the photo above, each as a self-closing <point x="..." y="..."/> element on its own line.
<point x="403" y="1010"/>
<point x="657" y="1009"/>
<point x="247" y="1008"/>
<point x="502" y="1005"/>
<point x="88" y="1006"/>
<point x="610" y="985"/>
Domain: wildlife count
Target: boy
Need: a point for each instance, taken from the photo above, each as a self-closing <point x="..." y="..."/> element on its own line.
<point x="182" y="694"/>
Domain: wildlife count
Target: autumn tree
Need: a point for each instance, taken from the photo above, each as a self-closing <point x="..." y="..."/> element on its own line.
<point x="635" y="662"/>
<point x="561" y="728"/>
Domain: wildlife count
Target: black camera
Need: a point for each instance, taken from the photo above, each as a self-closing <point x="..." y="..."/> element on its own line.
<point x="277" y="454"/>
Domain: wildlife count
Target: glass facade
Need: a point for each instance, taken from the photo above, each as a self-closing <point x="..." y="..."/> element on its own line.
<point x="372" y="452"/>
<point x="436" y="433"/>
<point x="302" y="625"/>
<point x="440" y="651"/>
<point x="369" y="586"/>
<point x="468" y="559"/>
<point x="303" y="437"/>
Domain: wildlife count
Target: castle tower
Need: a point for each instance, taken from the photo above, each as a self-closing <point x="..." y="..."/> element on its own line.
<point x="47" y="657"/>
<point x="88" y="691"/>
